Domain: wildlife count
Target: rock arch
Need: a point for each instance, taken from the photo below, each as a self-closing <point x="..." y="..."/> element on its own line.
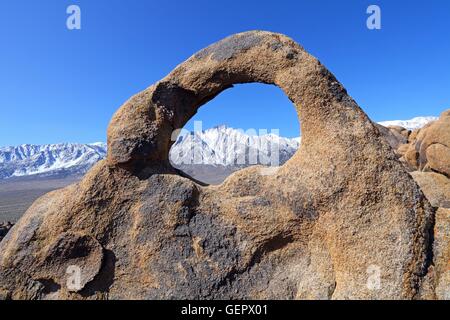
<point x="316" y="228"/>
<point x="142" y="127"/>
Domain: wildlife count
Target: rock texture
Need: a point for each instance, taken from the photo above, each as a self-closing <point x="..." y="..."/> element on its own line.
<point x="429" y="147"/>
<point x="396" y="136"/>
<point x="442" y="254"/>
<point x="342" y="219"/>
<point x="427" y="154"/>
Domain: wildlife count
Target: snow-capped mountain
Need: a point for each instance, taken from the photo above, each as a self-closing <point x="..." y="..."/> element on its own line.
<point x="50" y="159"/>
<point x="219" y="146"/>
<point x="224" y="146"/>
<point x="412" y="124"/>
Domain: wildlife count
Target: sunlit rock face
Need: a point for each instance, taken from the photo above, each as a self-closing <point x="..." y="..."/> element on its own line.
<point x="342" y="219"/>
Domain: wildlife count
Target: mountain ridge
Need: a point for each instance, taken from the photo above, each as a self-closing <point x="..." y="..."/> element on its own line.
<point x="218" y="146"/>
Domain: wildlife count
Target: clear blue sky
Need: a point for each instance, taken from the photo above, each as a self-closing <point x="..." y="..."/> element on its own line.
<point x="58" y="85"/>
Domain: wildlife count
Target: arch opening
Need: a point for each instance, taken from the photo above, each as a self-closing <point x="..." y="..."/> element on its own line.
<point x="249" y="124"/>
<point x="141" y="132"/>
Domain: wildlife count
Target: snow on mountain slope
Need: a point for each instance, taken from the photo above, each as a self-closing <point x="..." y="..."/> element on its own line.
<point x="218" y="146"/>
<point x="412" y="124"/>
<point x="230" y="147"/>
<point x="51" y="159"/>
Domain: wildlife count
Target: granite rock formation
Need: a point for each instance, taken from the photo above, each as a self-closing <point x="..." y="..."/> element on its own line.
<point x="435" y="186"/>
<point x="429" y="147"/>
<point x="442" y="254"/>
<point x="426" y="154"/>
<point x="396" y="136"/>
<point x="342" y="219"/>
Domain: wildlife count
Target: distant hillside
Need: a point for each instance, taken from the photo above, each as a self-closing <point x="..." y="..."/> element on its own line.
<point x="219" y="147"/>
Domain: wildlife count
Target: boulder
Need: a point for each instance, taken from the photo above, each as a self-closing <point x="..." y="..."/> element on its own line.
<point x="429" y="147"/>
<point x="342" y="219"/>
<point x="402" y="131"/>
<point x="441" y="253"/>
<point x="435" y="186"/>
<point x="438" y="158"/>
<point x="394" y="135"/>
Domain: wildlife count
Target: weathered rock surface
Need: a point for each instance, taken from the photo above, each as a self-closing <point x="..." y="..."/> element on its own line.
<point x="435" y="186"/>
<point x="342" y="219"/>
<point x="396" y="136"/>
<point x="442" y="254"/>
<point x="429" y="147"/>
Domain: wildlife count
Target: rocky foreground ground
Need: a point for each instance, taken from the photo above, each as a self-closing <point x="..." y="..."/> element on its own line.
<point x="342" y="219"/>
